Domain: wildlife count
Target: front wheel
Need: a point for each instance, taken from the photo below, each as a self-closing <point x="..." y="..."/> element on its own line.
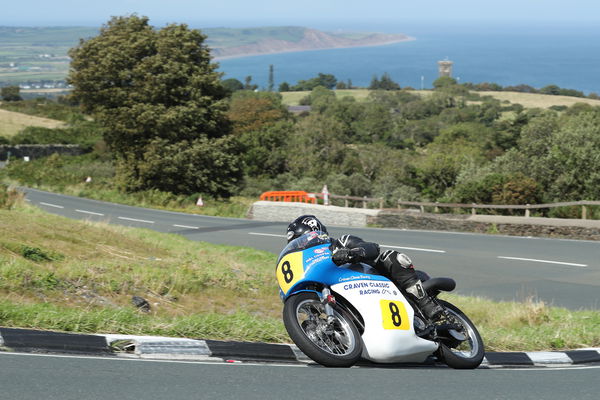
<point x="330" y="341"/>
<point x="465" y="354"/>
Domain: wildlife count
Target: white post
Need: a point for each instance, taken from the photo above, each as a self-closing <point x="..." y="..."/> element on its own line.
<point x="325" y="193"/>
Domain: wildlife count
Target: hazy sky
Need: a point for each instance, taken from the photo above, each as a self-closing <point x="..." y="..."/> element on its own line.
<point x="339" y="13"/>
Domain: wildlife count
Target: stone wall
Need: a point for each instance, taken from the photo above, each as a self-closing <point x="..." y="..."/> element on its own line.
<point x="34" y="151"/>
<point x="516" y="226"/>
<point x="329" y="215"/>
<point x="412" y="219"/>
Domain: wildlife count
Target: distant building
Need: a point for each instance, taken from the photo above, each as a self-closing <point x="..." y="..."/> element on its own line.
<point x="445" y="68"/>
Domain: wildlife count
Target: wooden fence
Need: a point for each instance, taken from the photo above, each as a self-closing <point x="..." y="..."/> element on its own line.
<point x="527" y="207"/>
<point x="364" y="201"/>
<point x="354" y="199"/>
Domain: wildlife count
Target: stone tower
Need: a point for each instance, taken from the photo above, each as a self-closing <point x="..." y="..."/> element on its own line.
<point x="445" y="68"/>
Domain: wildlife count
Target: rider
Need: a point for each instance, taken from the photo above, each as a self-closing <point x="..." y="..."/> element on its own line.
<point x="392" y="264"/>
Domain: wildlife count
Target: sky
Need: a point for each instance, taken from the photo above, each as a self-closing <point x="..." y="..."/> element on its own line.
<point x="342" y="14"/>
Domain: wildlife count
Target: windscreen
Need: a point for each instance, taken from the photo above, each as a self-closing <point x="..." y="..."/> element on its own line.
<point x="304" y="242"/>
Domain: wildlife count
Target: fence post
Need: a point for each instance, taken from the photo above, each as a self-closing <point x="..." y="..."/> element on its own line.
<point x="399" y="205"/>
<point x="346" y="203"/>
<point x="381" y="203"/>
<point x="436" y="209"/>
<point x="365" y="202"/>
<point x="422" y="208"/>
<point x="473" y="210"/>
<point x="583" y="212"/>
<point x="527" y="211"/>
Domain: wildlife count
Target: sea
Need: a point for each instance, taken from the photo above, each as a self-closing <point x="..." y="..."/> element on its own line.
<point x="507" y="54"/>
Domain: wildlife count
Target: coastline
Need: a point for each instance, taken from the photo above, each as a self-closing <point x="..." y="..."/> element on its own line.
<point x="299" y="50"/>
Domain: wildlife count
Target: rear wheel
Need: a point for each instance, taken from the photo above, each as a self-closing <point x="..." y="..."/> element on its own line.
<point x="461" y="354"/>
<point x="330" y="341"/>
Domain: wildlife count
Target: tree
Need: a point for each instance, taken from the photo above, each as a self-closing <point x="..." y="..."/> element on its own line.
<point x="251" y="111"/>
<point x="11" y="93"/>
<point x="284" y="87"/>
<point x="326" y="80"/>
<point x="264" y="149"/>
<point x="147" y="86"/>
<point x="207" y="166"/>
<point x="248" y="85"/>
<point x="271" y="79"/>
<point x="444" y="81"/>
<point x="550" y="89"/>
<point x="386" y="83"/>
<point x="232" y="85"/>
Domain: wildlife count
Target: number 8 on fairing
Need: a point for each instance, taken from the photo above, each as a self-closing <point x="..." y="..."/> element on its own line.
<point x="396" y="319"/>
<point x="286" y="269"/>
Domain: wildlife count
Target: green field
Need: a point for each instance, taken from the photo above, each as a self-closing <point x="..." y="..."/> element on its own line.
<point x="527" y="100"/>
<point x="38" y="53"/>
<point x="12" y="123"/>
<point x="68" y="275"/>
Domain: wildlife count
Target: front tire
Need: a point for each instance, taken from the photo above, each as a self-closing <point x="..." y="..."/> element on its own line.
<point x="467" y="354"/>
<point x="334" y="343"/>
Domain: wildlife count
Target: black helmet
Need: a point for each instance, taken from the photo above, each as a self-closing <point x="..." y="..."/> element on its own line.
<point x="302" y="225"/>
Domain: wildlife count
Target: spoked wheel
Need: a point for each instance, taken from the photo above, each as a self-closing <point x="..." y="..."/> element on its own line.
<point x="330" y="341"/>
<point x="464" y="352"/>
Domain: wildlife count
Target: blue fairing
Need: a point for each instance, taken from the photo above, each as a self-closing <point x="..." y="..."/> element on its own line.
<point x="319" y="268"/>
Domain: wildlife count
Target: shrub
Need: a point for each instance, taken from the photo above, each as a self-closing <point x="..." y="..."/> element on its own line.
<point x="9" y="197"/>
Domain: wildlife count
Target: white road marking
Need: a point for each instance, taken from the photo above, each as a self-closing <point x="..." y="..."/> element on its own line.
<point x="265" y="234"/>
<point x="186" y="226"/>
<point x="51" y="205"/>
<point x="89" y="212"/>
<point x="136" y="220"/>
<point x="543" y="261"/>
<point x="413" y="248"/>
<point x="216" y="362"/>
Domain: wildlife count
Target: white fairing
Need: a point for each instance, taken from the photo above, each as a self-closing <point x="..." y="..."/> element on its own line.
<point x="383" y="340"/>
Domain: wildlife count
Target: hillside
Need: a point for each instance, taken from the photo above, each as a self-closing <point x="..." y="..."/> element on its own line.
<point x="12" y="122"/>
<point x="40" y="53"/>
<point x="254" y="41"/>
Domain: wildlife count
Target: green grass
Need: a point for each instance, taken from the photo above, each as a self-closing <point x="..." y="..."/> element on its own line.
<point x="293" y="98"/>
<point x="67" y="175"/>
<point x="527" y="100"/>
<point x="77" y="276"/>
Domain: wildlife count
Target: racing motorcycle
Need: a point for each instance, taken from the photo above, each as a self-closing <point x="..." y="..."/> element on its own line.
<point x="337" y="315"/>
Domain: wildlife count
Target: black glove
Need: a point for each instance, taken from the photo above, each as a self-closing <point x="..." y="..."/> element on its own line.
<point x="343" y="255"/>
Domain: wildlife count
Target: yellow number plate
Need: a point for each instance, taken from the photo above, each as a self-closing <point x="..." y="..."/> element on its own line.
<point x="394" y="315"/>
<point x="290" y="270"/>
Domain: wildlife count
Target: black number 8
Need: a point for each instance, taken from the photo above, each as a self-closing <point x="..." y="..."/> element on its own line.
<point x="396" y="320"/>
<point x="286" y="269"/>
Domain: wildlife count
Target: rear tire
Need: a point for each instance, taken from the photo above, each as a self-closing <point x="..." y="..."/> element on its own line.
<point x="470" y="352"/>
<point x="335" y="344"/>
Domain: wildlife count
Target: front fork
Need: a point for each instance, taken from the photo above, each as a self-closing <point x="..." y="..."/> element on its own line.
<point x="328" y="300"/>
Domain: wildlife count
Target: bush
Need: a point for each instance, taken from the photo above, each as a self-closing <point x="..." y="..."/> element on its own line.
<point x="9" y="197"/>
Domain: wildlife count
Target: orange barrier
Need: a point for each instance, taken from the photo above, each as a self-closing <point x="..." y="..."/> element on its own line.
<point x="297" y="196"/>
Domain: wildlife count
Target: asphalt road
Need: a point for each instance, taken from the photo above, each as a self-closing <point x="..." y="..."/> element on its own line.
<point x="561" y="272"/>
<point x="29" y="376"/>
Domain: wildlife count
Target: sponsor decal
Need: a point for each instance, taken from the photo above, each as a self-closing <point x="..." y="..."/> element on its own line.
<point x="309" y="262"/>
<point x="366" y="288"/>
<point x="322" y="250"/>
<point x="353" y="278"/>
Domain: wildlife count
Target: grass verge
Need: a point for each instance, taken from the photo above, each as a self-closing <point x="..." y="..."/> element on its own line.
<point x="75" y="276"/>
<point x="68" y="174"/>
<point x="12" y="122"/>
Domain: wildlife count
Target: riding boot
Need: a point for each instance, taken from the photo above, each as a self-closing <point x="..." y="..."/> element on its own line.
<point x="400" y="269"/>
<point x="430" y="309"/>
